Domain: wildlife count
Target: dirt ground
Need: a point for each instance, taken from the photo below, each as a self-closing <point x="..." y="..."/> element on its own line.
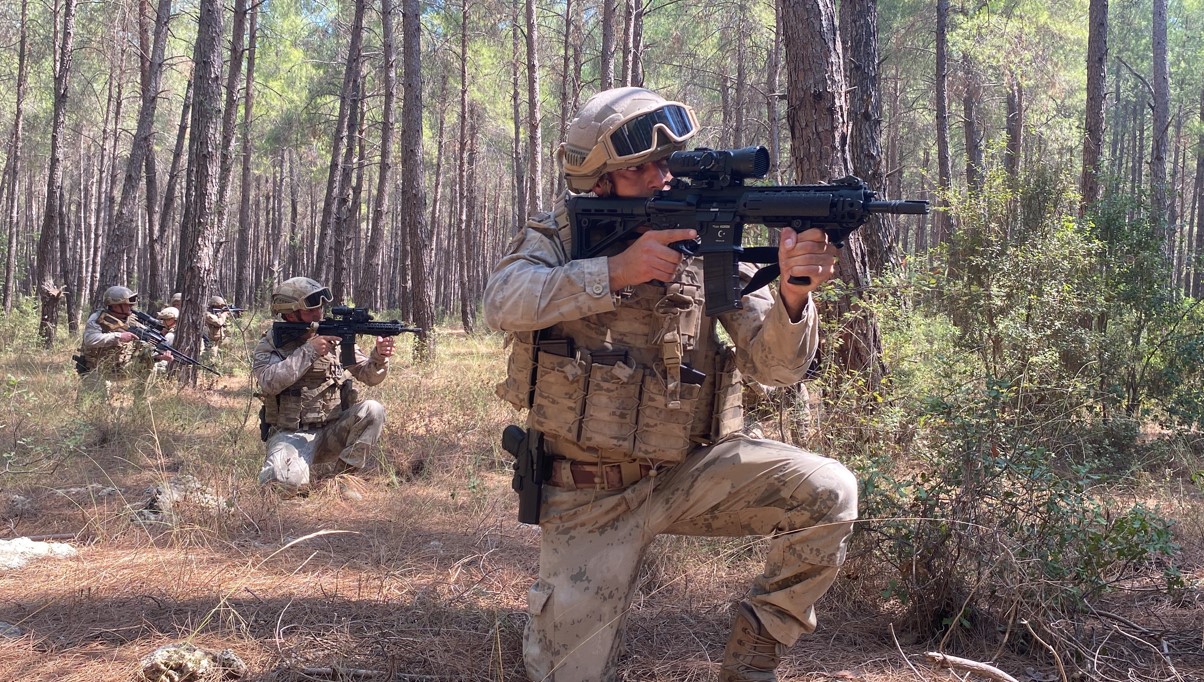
<point x="390" y="578"/>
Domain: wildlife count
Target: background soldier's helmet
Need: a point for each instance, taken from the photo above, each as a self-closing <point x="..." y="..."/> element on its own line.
<point x="217" y="302"/>
<point x="177" y="299"/>
<point x="620" y="128"/>
<point x="299" y="293"/>
<point x="116" y="295"/>
<point x="169" y="313"/>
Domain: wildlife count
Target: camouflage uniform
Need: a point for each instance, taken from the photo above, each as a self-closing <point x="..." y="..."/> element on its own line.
<point x="684" y="470"/>
<point x="304" y="397"/>
<point x="108" y="359"/>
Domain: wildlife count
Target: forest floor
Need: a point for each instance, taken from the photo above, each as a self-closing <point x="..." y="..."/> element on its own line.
<point x="405" y="578"/>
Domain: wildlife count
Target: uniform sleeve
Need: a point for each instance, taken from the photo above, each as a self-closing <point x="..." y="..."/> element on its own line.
<point x="94" y="337"/>
<point x="371" y="369"/>
<point x="532" y="289"/>
<point x="770" y="348"/>
<point x="274" y="372"/>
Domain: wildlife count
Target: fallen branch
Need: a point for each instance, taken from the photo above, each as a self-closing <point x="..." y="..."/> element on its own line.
<point x="988" y="671"/>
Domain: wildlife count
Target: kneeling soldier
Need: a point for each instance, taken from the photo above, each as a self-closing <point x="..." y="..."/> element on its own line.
<point x="312" y="414"/>
<point x="110" y="351"/>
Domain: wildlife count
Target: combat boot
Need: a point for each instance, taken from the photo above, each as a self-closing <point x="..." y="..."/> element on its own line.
<point x="751" y="654"/>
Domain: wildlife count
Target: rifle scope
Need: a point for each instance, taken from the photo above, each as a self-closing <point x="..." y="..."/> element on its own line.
<point x="725" y="165"/>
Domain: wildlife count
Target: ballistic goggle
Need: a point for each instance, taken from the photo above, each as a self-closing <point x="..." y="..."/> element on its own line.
<point x="319" y="298"/>
<point x="638" y="136"/>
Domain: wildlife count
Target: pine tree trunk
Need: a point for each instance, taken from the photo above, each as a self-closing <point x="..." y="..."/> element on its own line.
<point x="534" y="113"/>
<point x="606" y="69"/>
<point x="970" y="126"/>
<point x="51" y="217"/>
<point x="125" y="222"/>
<point x="859" y="38"/>
<point x="942" y="221"/>
<point x="516" y="153"/>
<point x="242" y="264"/>
<point x="1093" y="118"/>
<point x="170" y="191"/>
<point x="14" y="165"/>
<point x="467" y="309"/>
<point x="369" y="286"/>
<point x="339" y="140"/>
<point x="203" y="173"/>
<point x="413" y="191"/>
<point x="1160" y="127"/>
<point x="819" y="136"/>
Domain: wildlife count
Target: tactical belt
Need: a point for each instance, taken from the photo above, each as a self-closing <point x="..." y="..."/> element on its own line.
<point x="574" y="475"/>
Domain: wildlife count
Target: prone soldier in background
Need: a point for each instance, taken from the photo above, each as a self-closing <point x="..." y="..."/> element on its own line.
<point x="312" y="418"/>
<point x="110" y="352"/>
<point x="635" y="421"/>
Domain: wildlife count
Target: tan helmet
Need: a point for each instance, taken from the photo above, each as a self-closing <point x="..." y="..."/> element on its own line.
<point x="177" y="299"/>
<point x="299" y="293"/>
<point x="169" y="313"/>
<point x="117" y="295"/>
<point x="620" y="128"/>
<point x="217" y="302"/>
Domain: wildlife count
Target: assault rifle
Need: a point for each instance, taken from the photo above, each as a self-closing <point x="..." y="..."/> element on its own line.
<point x="150" y="330"/>
<point x="707" y="193"/>
<point x="344" y="322"/>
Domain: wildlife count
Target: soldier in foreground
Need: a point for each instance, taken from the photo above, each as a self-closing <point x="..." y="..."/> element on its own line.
<point x="313" y="419"/>
<point x="636" y="402"/>
<point x="110" y="352"/>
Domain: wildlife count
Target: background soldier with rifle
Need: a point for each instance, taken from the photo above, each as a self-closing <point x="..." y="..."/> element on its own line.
<point x="635" y="418"/>
<point x="111" y="350"/>
<point x="312" y="416"/>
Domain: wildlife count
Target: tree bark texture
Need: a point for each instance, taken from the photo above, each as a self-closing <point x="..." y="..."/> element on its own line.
<point x="1159" y="131"/>
<point x="204" y="167"/>
<point x="369" y="288"/>
<point x="51" y="216"/>
<point x="859" y="38"/>
<point x="413" y="190"/>
<point x="243" y="292"/>
<point x="13" y="164"/>
<point x="122" y="233"/>
<point x="819" y="137"/>
<point x="942" y="222"/>
<point x="1093" y="118"/>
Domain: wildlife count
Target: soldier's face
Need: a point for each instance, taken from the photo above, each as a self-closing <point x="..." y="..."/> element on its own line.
<point x="307" y="315"/>
<point x="121" y="309"/>
<point x="641" y="181"/>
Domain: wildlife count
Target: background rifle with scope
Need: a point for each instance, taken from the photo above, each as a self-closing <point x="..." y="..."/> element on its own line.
<point x="344" y="322"/>
<point x="708" y="194"/>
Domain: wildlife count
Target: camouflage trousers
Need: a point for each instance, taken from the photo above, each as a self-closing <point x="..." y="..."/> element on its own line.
<point x="293" y="455"/>
<point x="593" y="543"/>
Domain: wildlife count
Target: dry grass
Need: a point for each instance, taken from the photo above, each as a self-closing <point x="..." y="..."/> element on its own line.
<point x="419" y="579"/>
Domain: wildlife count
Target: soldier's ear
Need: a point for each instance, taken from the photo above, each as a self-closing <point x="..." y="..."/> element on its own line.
<point x="604" y="187"/>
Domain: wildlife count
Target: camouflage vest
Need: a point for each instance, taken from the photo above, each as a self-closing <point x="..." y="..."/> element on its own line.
<point x="110" y="360"/>
<point x="313" y="401"/>
<point x="648" y="381"/>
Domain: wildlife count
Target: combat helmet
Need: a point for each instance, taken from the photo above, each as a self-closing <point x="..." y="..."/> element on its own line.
<point x="168" y="313"/>
<point x="217" y="302"/>
<point x="117" y="295"/>
<point x="177" y="299"/>
<point x="299" y="293"/>
<point x="620" y="128"/>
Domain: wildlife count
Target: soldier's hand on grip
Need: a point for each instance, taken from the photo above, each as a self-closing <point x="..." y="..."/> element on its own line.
<point x="807" y="256"/>
<point x="384" y="346"/>
<point x="324" y="344"/>
<point x="648" y="258"/>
